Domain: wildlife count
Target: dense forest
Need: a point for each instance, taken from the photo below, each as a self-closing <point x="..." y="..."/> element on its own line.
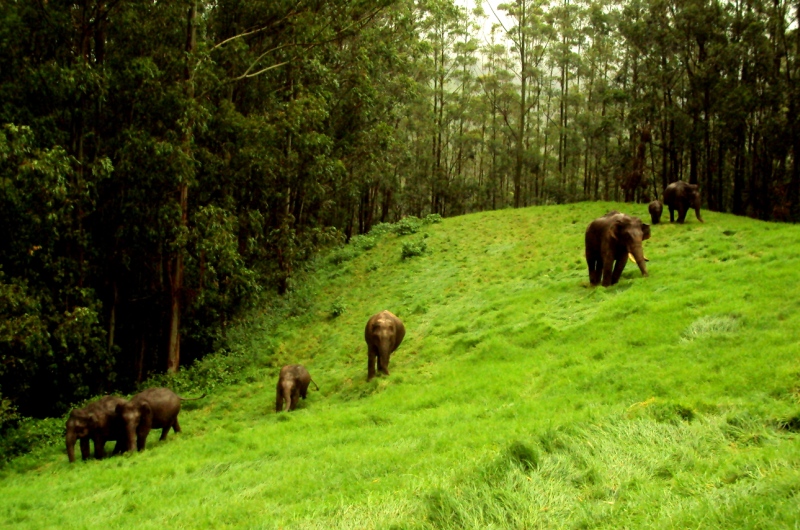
<point x="163" y="164"/>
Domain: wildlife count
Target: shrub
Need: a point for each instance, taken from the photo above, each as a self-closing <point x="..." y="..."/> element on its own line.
<point x="380" y="229"/>
<point x="342" y="254"/>
<point x="414" y="248"/>
<point x="407" y="225"/>
<point x="432" y="218"/>
<point x="338" y="307"/>
<point x="364" y="242"/>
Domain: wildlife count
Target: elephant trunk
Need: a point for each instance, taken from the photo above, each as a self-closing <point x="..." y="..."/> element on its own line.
<point x="384" y="351"/>
<point x="70" y="439"/>
<point x="697" y="208"/>
<point x="638" y="255"/>
<point x="130" y="431"/>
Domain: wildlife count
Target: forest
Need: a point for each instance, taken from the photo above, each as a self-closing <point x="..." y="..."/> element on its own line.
<point x="166" y="165"/>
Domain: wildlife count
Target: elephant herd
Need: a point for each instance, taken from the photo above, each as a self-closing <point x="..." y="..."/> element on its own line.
<point x="612" y="238"/>
<point x="609" y="239"/>
<point x="127" y="423"/>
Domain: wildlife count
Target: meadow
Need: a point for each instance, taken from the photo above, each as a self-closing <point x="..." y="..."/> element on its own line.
<point x="520" y="398"/>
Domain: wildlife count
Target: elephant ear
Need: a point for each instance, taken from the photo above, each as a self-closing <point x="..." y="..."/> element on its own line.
<point x="645" y="231"/>
<point x="145" y="416"/>
<point x="620" y="226"/>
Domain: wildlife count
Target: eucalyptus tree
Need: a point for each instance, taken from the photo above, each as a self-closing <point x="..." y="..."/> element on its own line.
<point x="530" y="36"/>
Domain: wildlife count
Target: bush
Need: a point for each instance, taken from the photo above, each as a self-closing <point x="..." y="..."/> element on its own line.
<point x="29" y="434"/>
<point x="407" y="225"/>
<point x="364" y="242"/>
<point x="342" y="254"/>
<point x="414" y="248"/>
<point x="380" y="229"/>
<point x="432" y="218"/>
<point x="338" y="307"/>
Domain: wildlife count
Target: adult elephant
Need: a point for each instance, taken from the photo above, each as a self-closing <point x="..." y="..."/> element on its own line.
<point x="610" y="239"/>
<point x="154" y="408"/>
<point x="98" y="422"/>
<point x="384" y="333"/>
<point x="292" y="385"/>
<point x="681" y="196"/>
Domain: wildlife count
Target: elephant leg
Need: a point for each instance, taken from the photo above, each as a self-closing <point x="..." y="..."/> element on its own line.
<point x="86" y="451"/>
<point x="671" y="214"/>
<point x="99" y="447"/>
<point x="372" y="356"/>
<point x="595" y="271"/>
<point x="176" y="426"/>
<point x="619" y="266"/>
<point x="119" y="447"/>
<point x="681" y="214"/>
<point x="607" y="264"/>
<point x="164" y="432"/>
<point x="278" y="400"/>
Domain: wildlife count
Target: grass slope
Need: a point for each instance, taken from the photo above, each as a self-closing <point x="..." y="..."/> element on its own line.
<point x="521" y="397"/>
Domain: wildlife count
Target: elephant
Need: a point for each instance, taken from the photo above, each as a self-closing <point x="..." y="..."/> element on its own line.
<point x="681" y="196"/>
<point x="154" y="408"/>
<point x="611" y="238"/>
<point x="292" y="385"/>
<point x="99" y="422"/>
<point x="655" y="208"/>
<point x="384" y="333"/>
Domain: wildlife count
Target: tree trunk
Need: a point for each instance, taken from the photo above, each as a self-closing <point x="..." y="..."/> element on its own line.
<point x="176" y="272"/>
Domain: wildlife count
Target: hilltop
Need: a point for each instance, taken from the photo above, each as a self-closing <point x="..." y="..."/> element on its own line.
<point x="520" y="398"/>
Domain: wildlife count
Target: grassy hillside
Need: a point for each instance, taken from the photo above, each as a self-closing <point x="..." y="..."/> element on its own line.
<point x="521" y="397"/>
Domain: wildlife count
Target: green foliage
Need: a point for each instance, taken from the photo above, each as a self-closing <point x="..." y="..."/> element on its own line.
<point x="413" y="248"/>
<point x="432" y="218"/>
<point x="338" y="307"/>
<point x="407" y="225"/>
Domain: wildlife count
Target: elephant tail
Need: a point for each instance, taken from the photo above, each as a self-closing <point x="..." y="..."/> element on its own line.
<point x="315" y="384"/>
<point x="192" y="399"/>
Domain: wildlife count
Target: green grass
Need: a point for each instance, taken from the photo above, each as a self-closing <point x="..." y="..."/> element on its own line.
<point x="520" y="398"/>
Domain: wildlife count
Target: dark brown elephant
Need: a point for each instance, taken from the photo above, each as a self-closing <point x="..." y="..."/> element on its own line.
<point x="154" y="408"/>
<point x="98" y="422"/>
<point x="292" y="385"/>
<point x="655" y="208"/>
<point x="611" y="238"/>
<point x="681" y="196"/>
<point x="384" y="333"/>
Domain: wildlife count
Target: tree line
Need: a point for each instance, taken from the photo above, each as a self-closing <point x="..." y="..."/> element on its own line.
<point x="163" y="164"/>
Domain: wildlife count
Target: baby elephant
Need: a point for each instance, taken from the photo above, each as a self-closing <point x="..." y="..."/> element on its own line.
<point x="384" y="333"/>
<point x="154" y="408"/>
<point x="292" y="385"/>
<point x="655" y="208"/>
<point x="98" y="422"/>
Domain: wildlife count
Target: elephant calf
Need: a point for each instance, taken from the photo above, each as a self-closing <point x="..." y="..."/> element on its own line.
<point x="655" y="208"/>
<point x="154" y="408"/>
<point x="610" y="239"/>
<point x="99" y="422"/>
<point x="384" y="333"/>
<point x="292" y="385"/>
